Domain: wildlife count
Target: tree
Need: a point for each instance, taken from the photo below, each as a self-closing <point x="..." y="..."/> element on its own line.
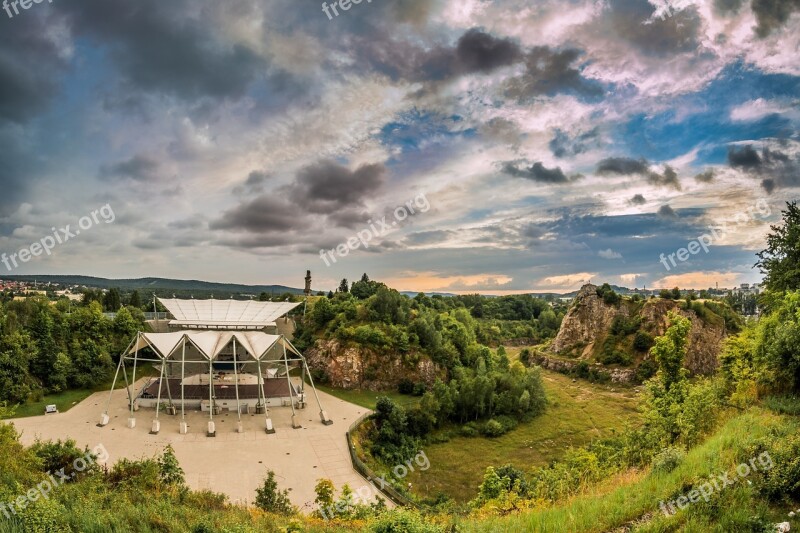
<point x="343" y="286"/>
<point x="170" y="469"/>
<point x="780" y="261"/>
<point x="135" y="300"/>
<point x="676" y="293"/>
<point x="112" y="300"/>
<point x="269" y="498"/>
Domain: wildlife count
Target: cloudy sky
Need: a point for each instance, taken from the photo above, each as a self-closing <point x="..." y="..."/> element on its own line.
<point x="553" y="142"/>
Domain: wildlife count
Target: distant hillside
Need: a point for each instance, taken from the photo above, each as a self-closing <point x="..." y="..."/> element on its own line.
<point x="162" y="286"/>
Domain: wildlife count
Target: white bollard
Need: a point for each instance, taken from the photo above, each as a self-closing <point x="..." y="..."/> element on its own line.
<point x="104" y="420"/>
<point x="131" y="423"/>
<point x="325" y="420"/>
<point x="212" y="429"/>
<point x="270" y="429"/>
<point x="155" y="428"/>
<point x="239" y="427"/>
<point x="184" y="428"/>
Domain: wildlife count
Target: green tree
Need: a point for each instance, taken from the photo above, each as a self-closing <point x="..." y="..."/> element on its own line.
<point x="135" y="300"/>
<point x="780" y="260"/>
<point x="343" y="286"/>
<point x="170" y="469"/>
<point x="112" y="300"/>
<point x="269" y="498"/>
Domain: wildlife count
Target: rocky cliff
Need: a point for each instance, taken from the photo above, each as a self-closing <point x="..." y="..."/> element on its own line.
<point x="588" y="322"/>
<point x="357" y="367"/>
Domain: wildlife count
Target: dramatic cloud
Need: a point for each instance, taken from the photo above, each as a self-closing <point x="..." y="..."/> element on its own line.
<point x="776" y="167"/>
<point x="609" y="254"/>
<point x="706" y="176"/>
<point x="772" y="14"/>
<point x="537" y="172"/>
<point x="665" y="211"/>
<point x="668" y="178"/>
<point x="550" y="72"/>
<point x="745" y="157"/>
<point x="159" y="48"/>
<point x="622" y="166"/>
<point x="637" y="199"/>
<point x="265" y="214"/>
<point x="327" y="186"/>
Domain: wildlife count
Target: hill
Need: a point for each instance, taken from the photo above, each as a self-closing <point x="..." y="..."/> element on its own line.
<point x="160" y="286"/>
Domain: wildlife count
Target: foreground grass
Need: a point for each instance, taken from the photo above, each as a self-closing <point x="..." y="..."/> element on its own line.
<point x="634" y="497"/>
<point x="578" y="413"/>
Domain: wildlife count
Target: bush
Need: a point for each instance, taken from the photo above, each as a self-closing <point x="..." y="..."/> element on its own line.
<point x="785" y="405"/>
<point x="642" y="341"/>
<point x="404" y="521"/>
<point x="506" y="422"/>
<point x="668" y="459"/>
<point x="469" y="430"/>
<point x="406" y="386"/>
<point x="493" y="428"/>
<point x="419" y="389"/>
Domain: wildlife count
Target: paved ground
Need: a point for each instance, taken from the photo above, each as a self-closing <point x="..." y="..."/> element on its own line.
<point x="231" y="463"/>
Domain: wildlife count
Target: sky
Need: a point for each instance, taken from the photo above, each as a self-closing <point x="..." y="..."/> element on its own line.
<point x="458" y="146"/>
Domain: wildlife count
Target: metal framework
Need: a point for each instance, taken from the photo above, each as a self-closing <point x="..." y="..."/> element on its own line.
<point x="170" y="350"/>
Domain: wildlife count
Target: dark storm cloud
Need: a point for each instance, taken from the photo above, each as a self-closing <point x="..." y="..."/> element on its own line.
<point x="668" y="178"/>
<point x="622" y="166"/>
<point x="327" y="186"/>
<point x="674" y="33"/>
<point x="745" y="157"/>
<point x="18" y="169"/>
<point x="549" y="72"/>
<point x="478" y="51"/>
<point x="264" y="214"/>
<point x="349" y="218"/>
<point x="775" y="168"/>
<point x="159" y="48"/>
<point x="562" y="145"/>
<point x="637" y="199"/>
<point x="30" y="67"/>
<point x="772" y="14"/>
<point x="665" y="211"/>
<point x="536" y="172"/>
<point x="475" y="51"/>
<point x="137" y="168"/>
<point x="706" y="176"/>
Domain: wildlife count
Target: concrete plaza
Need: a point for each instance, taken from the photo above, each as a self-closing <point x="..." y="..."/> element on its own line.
<point x="231" y="463"/>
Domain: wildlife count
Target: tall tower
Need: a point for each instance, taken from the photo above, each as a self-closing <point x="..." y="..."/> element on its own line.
<point x="307" y="290"/>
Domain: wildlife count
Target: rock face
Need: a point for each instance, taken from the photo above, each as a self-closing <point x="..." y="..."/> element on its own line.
<point x="589" y="320"/>
<point x="356" y="367"/>
<point x="586" y="319"/>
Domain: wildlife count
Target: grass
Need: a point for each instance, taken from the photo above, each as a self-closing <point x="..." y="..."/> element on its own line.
<point x="634" y="496"/>
<point x="578" y="413"/>
<point x="368" y="399"/>
<point x="786" y="405"/>
<point x="68" y="399"/>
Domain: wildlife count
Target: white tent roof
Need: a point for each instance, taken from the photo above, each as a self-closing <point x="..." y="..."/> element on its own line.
<point x="210" y="343"/>
<point x="228" y="313"/>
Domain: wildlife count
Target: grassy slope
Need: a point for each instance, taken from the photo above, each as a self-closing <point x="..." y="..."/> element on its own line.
<point x="578" y="413"/>
<point x="631" y="496"/>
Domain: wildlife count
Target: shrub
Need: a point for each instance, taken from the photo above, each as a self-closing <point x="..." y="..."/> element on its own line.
<point x="506" y="422"/>
<point x="785" y="405"/>
<point x="642" y="341"/>
<point x="404" y="521"/>
<point x="406" y="386"/>
<point x="419" y="389"/>
<point x="668" y="459"/>
<point x="493" y="428"/>
<point x="469" y="430"/>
